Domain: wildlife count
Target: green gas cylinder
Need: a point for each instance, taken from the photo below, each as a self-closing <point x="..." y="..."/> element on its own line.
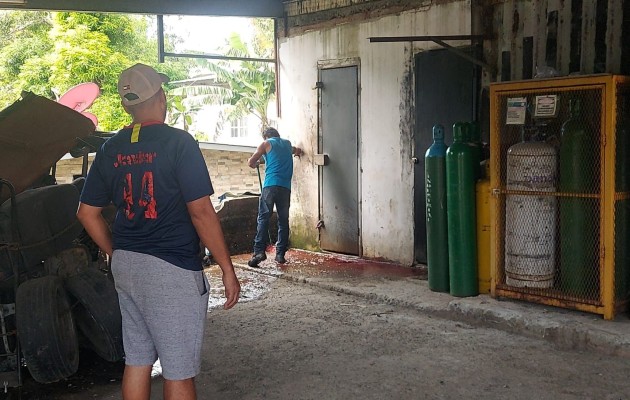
<point x="460" y="203"/>
<point x="437" y="238"/>
<point x="579" y="218"/>
<point x="622" y="207"/>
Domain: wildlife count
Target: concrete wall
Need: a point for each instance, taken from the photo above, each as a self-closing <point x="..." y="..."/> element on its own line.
<point x="385" y="119"/>
<point x="228" y="170"/>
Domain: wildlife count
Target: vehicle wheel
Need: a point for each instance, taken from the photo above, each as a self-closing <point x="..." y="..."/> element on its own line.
<point x="46" y="329"/>
<point x="97" y="313"/>
<point x="68" y="262"/>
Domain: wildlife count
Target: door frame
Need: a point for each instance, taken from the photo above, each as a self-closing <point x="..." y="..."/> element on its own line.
<point x="331" y="64"/>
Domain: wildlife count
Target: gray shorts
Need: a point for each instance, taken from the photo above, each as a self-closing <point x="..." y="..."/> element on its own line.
<point x="164" y="310"/>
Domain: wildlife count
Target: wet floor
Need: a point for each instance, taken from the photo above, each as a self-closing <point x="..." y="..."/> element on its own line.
<point x="255" y="282"/>
<point x="97" y="377"/>
<point x="311" y="264"/>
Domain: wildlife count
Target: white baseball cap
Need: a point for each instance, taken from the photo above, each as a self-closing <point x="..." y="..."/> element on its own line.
<point x="139" y="83"/>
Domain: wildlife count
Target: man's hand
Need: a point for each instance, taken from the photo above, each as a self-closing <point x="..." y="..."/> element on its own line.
<point x="208" y="226"/>
<point x="232" y="289"/>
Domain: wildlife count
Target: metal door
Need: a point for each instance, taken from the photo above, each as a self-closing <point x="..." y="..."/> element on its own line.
<point x="444" y="95"/>
<point x="339" y="178"/>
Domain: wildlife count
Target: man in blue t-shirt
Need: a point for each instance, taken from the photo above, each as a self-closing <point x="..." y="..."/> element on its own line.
<point x="276" y="190"/>
<point x="157" y="179"/>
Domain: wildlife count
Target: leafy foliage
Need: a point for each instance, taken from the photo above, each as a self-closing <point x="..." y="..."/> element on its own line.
<point x="47" y="53"/>
<point x="243" y="87"/>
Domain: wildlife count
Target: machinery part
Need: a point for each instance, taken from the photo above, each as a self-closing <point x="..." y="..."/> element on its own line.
<point x="97" y="313"/>
<point x="530" y="220"/>
<point x="47" y="333"/>
<point x="460" y="202"/>
<point x="7" y="325"/>
<point x="10" y="359"/>
<point x="437" y="236"/>
<point x="78" y="183"/>
<point x="47" y="223"/>
<point x="68" y="262"/>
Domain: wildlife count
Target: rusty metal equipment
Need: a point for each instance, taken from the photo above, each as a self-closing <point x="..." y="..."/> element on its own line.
<point x="52" y="288"/>
<point x="10" y="374"/>
<point x="576" y="255"/>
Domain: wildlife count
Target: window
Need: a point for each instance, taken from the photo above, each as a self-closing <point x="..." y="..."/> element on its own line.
<point x="238" y="128"/>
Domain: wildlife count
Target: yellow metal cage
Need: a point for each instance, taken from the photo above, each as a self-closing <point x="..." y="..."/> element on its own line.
<point x="560" y="180"/>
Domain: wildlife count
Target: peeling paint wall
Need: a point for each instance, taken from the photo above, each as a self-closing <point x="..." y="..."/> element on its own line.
<point x="385" y="119"/>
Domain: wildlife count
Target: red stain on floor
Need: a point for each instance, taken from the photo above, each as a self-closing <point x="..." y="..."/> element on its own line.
<point x="309" y="263"/>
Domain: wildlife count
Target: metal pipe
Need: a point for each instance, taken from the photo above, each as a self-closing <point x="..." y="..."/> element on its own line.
<point x="218" y="57"/>
<point x="160" y="37"/>
<point x="427" y="38"/>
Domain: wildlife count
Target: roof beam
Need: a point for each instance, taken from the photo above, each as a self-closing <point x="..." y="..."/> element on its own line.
<point x="235" y="8"/>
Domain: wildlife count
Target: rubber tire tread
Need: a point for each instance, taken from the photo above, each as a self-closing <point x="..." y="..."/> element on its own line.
<point x="98" y="314"/>
<point x="46" y="329"/>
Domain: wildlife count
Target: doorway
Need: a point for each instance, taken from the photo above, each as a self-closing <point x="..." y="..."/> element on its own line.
<point x="339" y="178"/>
<point x="444" y="91"/>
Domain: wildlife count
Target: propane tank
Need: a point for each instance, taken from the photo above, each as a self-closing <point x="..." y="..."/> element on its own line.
<point x="460" y="201"/>
<point x="482" y="190"/>
<point x="437" y="238"/>
<point x="530" y="220"/>
<point x="579" y="218"/>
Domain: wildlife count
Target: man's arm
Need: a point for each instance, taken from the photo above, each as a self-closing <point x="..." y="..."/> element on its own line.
<point x="208" y="227"/>
<point x="260" y="151"/>
<point x="96" y="226"/>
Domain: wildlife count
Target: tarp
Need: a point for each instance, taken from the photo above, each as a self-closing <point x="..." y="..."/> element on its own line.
<point x="35" y="132"/>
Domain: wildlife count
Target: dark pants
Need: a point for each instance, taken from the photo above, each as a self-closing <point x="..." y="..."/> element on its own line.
<point x="281" y="197"/>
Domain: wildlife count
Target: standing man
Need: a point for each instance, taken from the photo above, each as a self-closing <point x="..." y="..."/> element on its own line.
<point x="277" y="153"/>
<point x="156" y="177"/>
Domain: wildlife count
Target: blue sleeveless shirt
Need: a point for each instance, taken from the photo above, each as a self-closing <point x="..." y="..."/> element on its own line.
<point x="279" y="163"/>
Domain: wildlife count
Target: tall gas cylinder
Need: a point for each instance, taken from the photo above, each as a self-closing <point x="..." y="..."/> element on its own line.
<point x="460" y="201"/>
<point x="437" y="238"/>
<point x="579" y="218"/>
<point x="530" y="220"/>
<point x="622" y="207"/>
<point x="482" y="191"/>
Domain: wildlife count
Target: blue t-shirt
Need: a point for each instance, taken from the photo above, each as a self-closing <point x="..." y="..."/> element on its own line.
<point x="279" y="163"/>
<point x="150" y="175"/>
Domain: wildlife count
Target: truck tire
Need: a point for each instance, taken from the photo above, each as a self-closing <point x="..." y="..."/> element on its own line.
<point x="97" y="313"/>
<point x="68" y="262"/>
<point x="46" y="329"/>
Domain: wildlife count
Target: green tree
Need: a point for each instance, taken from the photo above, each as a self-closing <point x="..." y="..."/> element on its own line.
<point x="48" y="53"/>
<point x="22" y="36"/>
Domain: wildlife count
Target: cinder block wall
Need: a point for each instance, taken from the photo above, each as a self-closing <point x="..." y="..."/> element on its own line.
<point x="228" y="170"/>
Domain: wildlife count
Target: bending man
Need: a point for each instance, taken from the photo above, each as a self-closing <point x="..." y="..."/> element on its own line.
<point x="276" y="190"/>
